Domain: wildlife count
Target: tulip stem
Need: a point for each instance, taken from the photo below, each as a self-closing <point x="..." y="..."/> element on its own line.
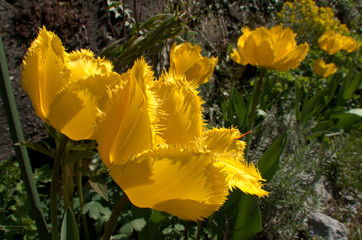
<point x="81" y="200"/>
<point x="54" y="185"/>
<point x="252" y="109"/>
<point x="112" y="222"/>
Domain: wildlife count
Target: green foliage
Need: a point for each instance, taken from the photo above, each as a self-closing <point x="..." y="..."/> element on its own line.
<point x="148" y="38"/>
<point x="15" y="217"/>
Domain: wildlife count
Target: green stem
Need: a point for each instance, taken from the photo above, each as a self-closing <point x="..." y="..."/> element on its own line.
<point x="81" y="200"/>
<point x="112" y="222"/>
<point x="17" y="136"/>
<point x="252" y="109"/>
<point x="54" y="185"/>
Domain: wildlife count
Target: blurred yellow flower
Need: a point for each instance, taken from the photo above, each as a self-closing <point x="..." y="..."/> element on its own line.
<point x="331" y="42"/>
<point x="349" y="44"/>
<point x="154" y="141"/>
<point x="275" y="48"/>
<point x="186" y="59"/>
<point x="64" y="87"/>
<point x="322" y="69"/>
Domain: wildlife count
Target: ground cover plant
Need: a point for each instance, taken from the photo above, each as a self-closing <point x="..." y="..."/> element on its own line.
<point x="164" y="136"/>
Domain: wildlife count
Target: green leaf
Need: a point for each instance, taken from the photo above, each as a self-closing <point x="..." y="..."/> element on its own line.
<point x="269" y="163"/>
<point x="126" y="229"/>
<point x="248" y="218"/>
<point x="41" y="147"/>
<point x="96" y="210"/>
<point x="138" y="224"/>
<point x="99" y="185"/>
<point x="352" y="86"/>
<point x="348" y="120"/>
<point x="43" y="174"/>
<point x="238" y="106"/>
<point x="69" y="229"/>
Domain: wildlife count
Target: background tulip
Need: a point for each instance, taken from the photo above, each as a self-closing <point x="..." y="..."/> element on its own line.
<point x="322" y="69"/>
<point x="274" y="49"/>
<point x="186" y="59"/>
<point x="331" y="42"/>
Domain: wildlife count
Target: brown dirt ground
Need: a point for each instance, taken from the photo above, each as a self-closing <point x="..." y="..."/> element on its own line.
<point x="79" y="24"/>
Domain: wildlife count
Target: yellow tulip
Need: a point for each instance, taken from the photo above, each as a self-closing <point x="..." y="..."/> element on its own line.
<point x="331" y="42"/>
<point x="273" y="48"/>
<point x="349" y="44"/>
<point x="154" y="141"/>
<point x="322" y="69"/>
<point x="65" y="87"/>
<point x="186" y="59"/>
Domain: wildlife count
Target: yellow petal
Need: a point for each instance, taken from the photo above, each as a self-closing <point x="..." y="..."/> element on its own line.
<point x="283" y="41"/>
<point x="73" y="111"/>
<point x="127" y="116"/>
<point x="293" y="59"/>
<point x="180" y="182"/>
<point x="258" y="47"/>
<point x="41" y="71"/>
<point x="183" y="56"/>
<point x="222" y="140"/>
<point x="181" y="104"/>
<point x="229" y="157"/>
<point x="349" y="44"/>
<point x="201" y="71"/>
<point x="238" y="55"/>
<point x="241" y="174"/>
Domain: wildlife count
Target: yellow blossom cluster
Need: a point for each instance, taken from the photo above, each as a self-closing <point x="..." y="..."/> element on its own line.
<point x="150" y="132"/>
<point x="310" y="21"/>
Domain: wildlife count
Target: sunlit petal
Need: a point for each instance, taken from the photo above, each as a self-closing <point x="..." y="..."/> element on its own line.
<point x="41" y="75"/>
<point x="293" y="59"/>
<point x="181" y="182"/>
<point x="241" y="174"/>
<point x="182" y="123"/>
<point x="127" y="116"/>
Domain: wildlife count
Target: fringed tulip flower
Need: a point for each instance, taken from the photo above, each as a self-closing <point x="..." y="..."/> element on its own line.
<point x="322" y="69"/>
<point x="186" y="59"/>
<point x="154" y="141"/>
<point x="273" y="48"/>
<point x="65" y="87"/>
<point x="331" y="42"/>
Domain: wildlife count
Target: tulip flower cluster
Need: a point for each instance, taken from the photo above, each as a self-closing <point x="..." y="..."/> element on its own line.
<point x="150" y="132"/>
<point x="332" y="42"/>
<point x="273" y="48"/>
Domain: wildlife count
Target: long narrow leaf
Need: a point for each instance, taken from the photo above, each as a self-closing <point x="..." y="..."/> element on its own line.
<point x="69" y="228"/>
<point x="269" y="162"/>
<point x="21" y="153"/>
